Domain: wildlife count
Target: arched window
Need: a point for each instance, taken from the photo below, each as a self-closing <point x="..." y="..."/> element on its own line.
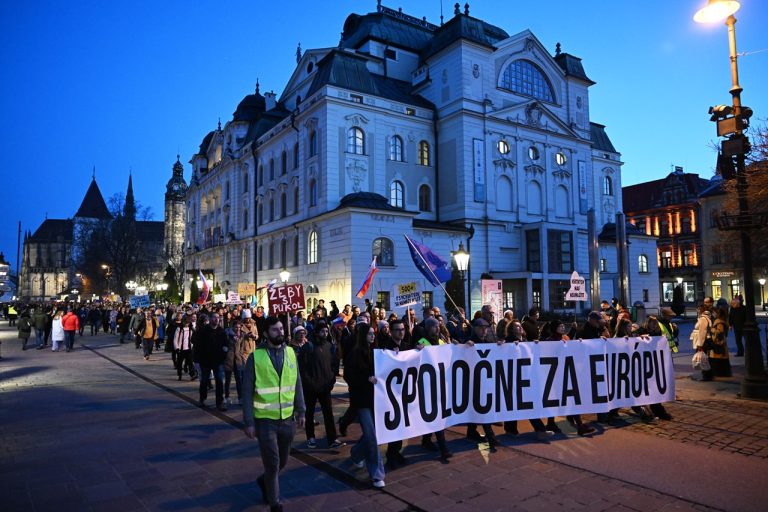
<point x="312" y="192"/>
<point x="271" y="169"/>
<point x="312" y="247"/>
<point x="356" y="141"/>
<point x="283" y="205"/>
<point x="562" y="206"/>
<point x="296" y="250"/>
<point x="533" y="196"/>
<point x="261" y="257"/>
<point x="296" y="199"/>
<point x="384" y="252"/>
<point x="396" y="149"/>
<point x="504" y="194"/>
<point x="260" y="214"/>
<point x="396" y="194"/>
<point x="245" y="219"/>
<point x="607" y="186"/>
<point x="525" y="77"/>
<point x="642" y="263"/>
<point x="296" y="155"/>
<point x="283" y="253"/>
<point x="272" y="255"/>
<point x="313" y="144"/>
<point x="423" y="153"/>
<point x="425" y="198"/>
<point x="271" y="209"/>
<point x="283" y="163"/>
<point x="261" y="175"/>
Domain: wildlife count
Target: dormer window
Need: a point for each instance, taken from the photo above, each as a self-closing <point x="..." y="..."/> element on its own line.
<point x="524" y="77"/>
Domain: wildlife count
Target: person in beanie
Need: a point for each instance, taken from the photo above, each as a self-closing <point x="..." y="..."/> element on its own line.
<point x="273" y="404"/>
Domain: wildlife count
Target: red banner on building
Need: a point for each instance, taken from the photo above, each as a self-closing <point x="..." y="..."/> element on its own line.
<point x="286" y="299"/>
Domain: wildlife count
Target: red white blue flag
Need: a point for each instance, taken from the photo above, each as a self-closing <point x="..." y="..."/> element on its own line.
<point x="206" y="290"/>
<point x="368" y="279"/>
<point x="432" y="266"/>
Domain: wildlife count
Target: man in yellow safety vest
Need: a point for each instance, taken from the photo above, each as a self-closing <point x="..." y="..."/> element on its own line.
<point x="273" y="405"/>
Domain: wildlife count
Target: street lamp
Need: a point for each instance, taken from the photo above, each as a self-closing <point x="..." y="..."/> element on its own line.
<point x="762" y="291"/>
<point x="755" y="382"/>
<point x="131" y="285"/>
<point x="461" y="257"/>
<point x="285" y="275"/>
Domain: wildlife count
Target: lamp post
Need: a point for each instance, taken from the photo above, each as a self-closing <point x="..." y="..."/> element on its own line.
<point x="285" y="275"/>
<point x="461" y="257"/>
<point x="762" y="291"/>
<point x="755" y="382"/>
<point x="107" y="273"/>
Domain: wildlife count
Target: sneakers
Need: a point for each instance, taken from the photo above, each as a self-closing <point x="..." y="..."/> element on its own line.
<point x="554" y="429"/>
<point x="474" y="435"/>
<point x="311" y="443"/>
<point x="336" y="444"/>
<point x="664" y="416"/>
<point x="584" y="430"/>
<point x="359" y="465"/>
<point x="379" y="484"/>
<point x="544" y="435"/>
<point x="445" y="454"/>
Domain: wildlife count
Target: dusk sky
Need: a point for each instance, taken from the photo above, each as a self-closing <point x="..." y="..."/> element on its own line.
<point x="125" y="85"/>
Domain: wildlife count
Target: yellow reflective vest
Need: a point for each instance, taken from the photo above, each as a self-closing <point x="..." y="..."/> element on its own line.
<point x="273" y="394"/>
<point x="670" y="338"/>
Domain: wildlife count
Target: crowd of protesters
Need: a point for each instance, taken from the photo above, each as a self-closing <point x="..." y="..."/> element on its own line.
<point x="215" y="344"/>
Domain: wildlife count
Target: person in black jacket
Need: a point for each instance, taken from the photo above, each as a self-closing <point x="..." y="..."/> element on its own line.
<point x="315" y="360"/>
<point x="395" y="342"/>
<point x="359" y="373"/>
<point x="530" y="324"/>
<point x="736" y="319"/>
<point x="210" y="349"/>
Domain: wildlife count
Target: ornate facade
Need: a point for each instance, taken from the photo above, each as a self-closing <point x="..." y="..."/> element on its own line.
<point x="423" y="132"/>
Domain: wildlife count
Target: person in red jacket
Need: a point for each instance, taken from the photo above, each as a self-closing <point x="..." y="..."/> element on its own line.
<point x="71" y="323"/>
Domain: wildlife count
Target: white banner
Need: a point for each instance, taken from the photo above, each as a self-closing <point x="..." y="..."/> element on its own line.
<point x="418" y="392"/>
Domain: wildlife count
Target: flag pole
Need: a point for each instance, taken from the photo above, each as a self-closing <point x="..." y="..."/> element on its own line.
<point x="426" y="265"/>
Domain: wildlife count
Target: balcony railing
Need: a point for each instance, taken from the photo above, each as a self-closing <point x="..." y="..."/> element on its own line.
<point x="735" y="222"/>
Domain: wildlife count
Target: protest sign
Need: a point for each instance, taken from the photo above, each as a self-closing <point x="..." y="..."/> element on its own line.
<point x="246" y="289"/>
<point x="233" y="298"/>
<point x="286" y="299"/>
<point x="139" y="301"/>
<point x="578" y="290"/>
<point x="492" y="294"/>
<point x="406" y="294"/>
<point x="423" y="391"/>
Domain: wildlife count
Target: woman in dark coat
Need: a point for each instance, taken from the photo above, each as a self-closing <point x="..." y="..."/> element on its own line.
<point x="24" y="325"/>
<point x="359" y="374"/>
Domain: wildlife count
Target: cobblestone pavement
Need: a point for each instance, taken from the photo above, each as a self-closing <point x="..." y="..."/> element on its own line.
<point x="101" y="429"/>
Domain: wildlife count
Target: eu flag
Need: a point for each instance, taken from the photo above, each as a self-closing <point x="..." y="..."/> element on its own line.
<point x="432" y="266"/>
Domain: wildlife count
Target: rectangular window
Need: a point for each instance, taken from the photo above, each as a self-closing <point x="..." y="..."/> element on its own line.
<point x="356" y="98"/>
<point x="533" y="249"/>
<point x="409" y="111"/>
<point x="245" y="219"/>
<point x="717" y="289"/>
<point x="426" y="299"/>
<point x="383" y="299"/>
<point x="717" y="256"/>
<point x="645" y="295"/>
<point x="245" y="259"/>
<point x="557" y="290"/>
<point x="603" y="265"/>
<point x="735" y="287"/>
<point x="689" y="291"/>
<point x="390" y="54"/>
<point x="509" y="300"/>
<point x="667" y="291"/>
<point x="560" y="251"/>
<point x="666" y="259"/>
<point x="687" y="257"/>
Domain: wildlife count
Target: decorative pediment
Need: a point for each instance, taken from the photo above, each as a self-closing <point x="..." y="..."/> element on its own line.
<point x="357" y="173"/>
<point x="356" y="119"/>
<point x="562" y="174"/>
<point x="536" y="115"/>
<point x="311" y="123"/>
<point x="504" y="163"/>
<point x="534" y="169"/>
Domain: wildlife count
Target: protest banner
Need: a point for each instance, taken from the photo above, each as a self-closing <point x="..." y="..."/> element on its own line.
<point x="423" y="391"/>
<point x="492" y="294"/>
<point x="246" y="289"/>
<point x="286" y="299"/>
<point x="139" y="301"/>
<point x="233" y="298"/>
<point x="406" y="294"/>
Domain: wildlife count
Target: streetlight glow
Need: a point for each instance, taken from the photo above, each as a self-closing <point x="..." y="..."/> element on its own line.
<point x="285" y="275"/>
<point x="462" y="258"/>
<point x="716" y="10"/>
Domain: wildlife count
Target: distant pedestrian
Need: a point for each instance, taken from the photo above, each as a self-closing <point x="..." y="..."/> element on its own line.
<point x="700" y="335"/>
<point x="57" y="332"/>
<point x="24" y="326"/>
<point x="737" y="317"/>
<point x="39" y="319"/>
<point x="148" y="333"/>
<point x="210" y="350"/>
<point x="71" y="324"/>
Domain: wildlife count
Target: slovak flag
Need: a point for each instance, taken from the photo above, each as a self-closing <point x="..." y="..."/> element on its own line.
<point x="368" y="279"/>
<point x="203" y="297"/>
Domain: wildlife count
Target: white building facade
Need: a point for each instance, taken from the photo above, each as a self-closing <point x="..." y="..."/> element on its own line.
<point x="409" y="128"/>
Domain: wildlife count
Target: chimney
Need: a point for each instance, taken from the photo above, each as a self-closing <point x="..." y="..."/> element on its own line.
<point x="270" y="99"/>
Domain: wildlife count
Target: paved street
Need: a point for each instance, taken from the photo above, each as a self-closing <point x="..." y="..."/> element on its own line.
<point x="102" y="429"/>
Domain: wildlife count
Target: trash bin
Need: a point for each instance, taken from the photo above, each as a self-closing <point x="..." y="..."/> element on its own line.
<point x="638" y="312"/>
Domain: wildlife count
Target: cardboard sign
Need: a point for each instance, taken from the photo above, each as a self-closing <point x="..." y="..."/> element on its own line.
<point x="139" y="301"/>
<point x="578" y="290"/>
<point x="492" y="294"/>
<point x="246" y="289"/>
<point x="286" y="299"/>
<point x="233" y="298"/>
<point x="406" y="294"/>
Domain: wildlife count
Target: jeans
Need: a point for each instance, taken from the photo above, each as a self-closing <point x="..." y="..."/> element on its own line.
<point x="147" y="345"/>
<point x="94" y="328"/>
<point x="183" y="362"/>
<point x="275" y="439"/>
<point x="366" y="448"/>
<point x="218" y="376"/>
<point x="312" y="397"/>
<point x="69" y="337"/>
<point x="112" y="327"/>
<point x="40" y="335"/>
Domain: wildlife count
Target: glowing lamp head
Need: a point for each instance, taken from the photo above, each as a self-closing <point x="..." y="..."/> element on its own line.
<point x="716" y="10"/>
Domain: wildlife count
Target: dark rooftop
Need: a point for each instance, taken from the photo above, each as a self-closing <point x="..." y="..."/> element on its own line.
<point x="51" y="230"/>
<point x="462" y="26"/>
<point x="386" y="26"/>
<point x="653" y="194"/>
<point x="368" y="200"/>
<point x="600" y="139"/>
<point x="93" y="205"/>
<point x="206" y="142"/>
<point x="572" y="66"/>
<point x="249" y="108"/>
<point x="608" y="234"/>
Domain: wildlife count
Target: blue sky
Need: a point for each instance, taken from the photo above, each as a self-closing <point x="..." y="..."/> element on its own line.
<point x="125" y="85"/>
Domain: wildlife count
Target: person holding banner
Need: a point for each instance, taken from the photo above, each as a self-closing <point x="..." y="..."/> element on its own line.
<point x="481" y="329"/>
<point x="395" y="341"/>
<point x="431" y="337"/>
<point x="273" y="405"/>
<point x="359" y="374"/>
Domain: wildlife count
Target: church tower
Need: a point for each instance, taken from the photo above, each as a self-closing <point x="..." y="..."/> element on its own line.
<point x="175" y="210"/>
